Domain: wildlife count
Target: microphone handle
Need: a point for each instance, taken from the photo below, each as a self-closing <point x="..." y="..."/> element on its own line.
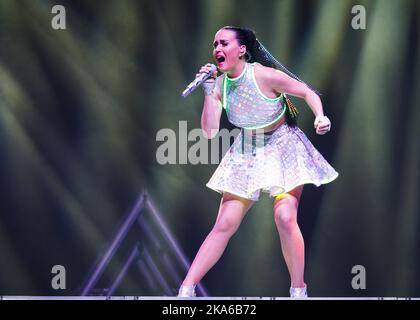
<point x="190" y="89"/>
<point x="196" y="83"/>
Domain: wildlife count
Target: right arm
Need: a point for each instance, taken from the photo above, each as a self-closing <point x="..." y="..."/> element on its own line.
<point x="212" y="110"/>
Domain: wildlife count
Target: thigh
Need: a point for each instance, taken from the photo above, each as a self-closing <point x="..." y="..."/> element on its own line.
<point x="233" y="205"/>
<point x="290" y="196"/>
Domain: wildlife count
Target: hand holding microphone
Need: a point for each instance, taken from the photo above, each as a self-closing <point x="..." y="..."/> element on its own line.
<point x="202" y="78"/>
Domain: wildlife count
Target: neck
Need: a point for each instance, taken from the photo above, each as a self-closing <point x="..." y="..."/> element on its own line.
<point x="236" y="72"/>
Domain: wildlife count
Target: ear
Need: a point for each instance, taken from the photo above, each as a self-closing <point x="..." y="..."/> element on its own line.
<point x="242" y="49"/>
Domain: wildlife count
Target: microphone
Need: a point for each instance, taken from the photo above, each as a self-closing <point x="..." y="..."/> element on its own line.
<point x="198" y="81"/>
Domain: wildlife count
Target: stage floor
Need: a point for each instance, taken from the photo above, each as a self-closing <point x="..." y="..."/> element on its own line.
<point x="196" y="298"/>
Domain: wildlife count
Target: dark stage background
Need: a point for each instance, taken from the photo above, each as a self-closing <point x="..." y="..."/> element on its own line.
<point x="80" y="109"/>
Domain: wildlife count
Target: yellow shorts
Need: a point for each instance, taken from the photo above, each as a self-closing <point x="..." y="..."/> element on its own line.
<point x="281" y="196"/>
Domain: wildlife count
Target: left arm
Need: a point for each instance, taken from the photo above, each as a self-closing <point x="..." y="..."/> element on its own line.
<point x="280" y="82"/>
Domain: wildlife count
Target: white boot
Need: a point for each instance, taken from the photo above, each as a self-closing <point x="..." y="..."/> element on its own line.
<point x="186" y="292"/>
<point x="298" y="292"/>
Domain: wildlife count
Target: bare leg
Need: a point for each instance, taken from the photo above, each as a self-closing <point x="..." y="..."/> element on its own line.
<point x="292" y="243"/>
<point x="231" y="212"/>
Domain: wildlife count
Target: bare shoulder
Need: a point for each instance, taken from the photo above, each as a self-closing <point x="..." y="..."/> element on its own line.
<point x="269" y="79"/>
<point x="266" y="73"/>
<point x="260" y="68"/>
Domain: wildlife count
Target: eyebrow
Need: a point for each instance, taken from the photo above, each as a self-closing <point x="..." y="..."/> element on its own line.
<point x="222" y="40"/>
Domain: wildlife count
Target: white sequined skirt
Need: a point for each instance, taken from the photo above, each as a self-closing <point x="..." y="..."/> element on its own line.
<point x="274" y="162"/>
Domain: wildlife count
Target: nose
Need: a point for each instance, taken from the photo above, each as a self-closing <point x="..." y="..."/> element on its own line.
<point x="217" y="50"/>
<point x="216" y="47"/>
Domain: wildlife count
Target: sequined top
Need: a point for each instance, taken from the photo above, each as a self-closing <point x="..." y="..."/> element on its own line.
<point x="246" y="106"/>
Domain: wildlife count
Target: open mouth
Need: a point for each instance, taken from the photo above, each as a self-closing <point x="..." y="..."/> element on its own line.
<point x="220" y="59"/>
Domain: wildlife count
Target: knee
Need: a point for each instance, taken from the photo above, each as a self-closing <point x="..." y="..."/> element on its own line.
<point x="285" y="219"/>
<point x="285" y="213"/>
<point x="231" y="213"/>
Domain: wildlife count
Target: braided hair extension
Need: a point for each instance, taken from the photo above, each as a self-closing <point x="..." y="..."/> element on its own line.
<point x="256" y="52"/>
